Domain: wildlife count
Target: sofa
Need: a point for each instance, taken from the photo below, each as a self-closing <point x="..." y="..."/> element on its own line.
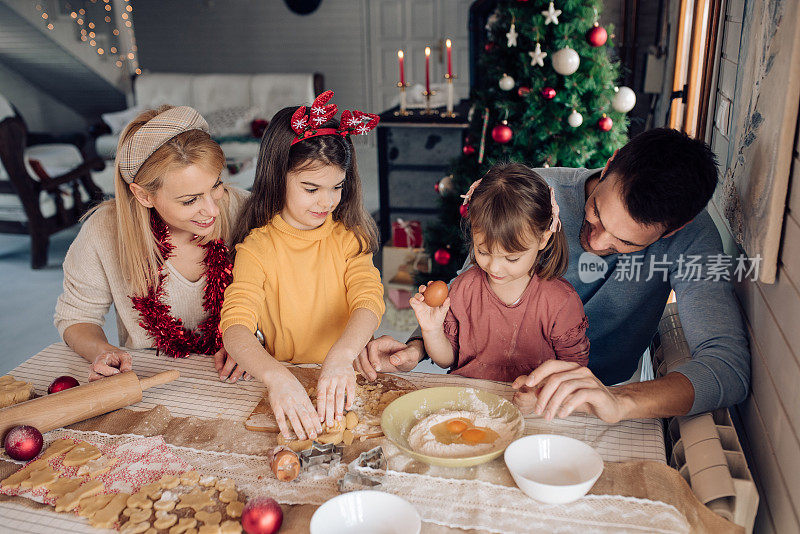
<point x="229" y="102"/>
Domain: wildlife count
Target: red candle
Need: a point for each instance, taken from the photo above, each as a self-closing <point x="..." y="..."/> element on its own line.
<point x="402" y="71"/>
<point x="449" y="59"/>
<point x="428" y="69"/>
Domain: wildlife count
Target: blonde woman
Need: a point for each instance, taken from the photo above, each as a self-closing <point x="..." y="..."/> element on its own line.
<point x="157" y="251"/>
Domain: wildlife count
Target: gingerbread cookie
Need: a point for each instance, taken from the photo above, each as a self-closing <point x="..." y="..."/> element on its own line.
<point x="164" y="520"/>
<point x="14" y="481"/>
<point x="225" y="484"/>
<point x="81" y="453"/>
<point x="167" y="501"/>
<point x="230" y="527"/>
<point x="137" y="515"/>
<point x="97" y="467"/>
<point x="40" y="478"/>
<point x="229" y="495"/>
<point x="135" y="528"/>
<point x="109" y="514"/>
<point x="208" y="518"/>
<point x="185" y="524"/>
<point x="234" y="509"/>
<point x="190" y="478"/>
<point x="59" y="446"/>
<point x="197" y="500"/>
<point x="209" y="529"/>
<point x="90" y="505"/>
<point x="169" y="481"/>
<point x="208" y="480"/>
<point x="139" y="500"/>
<point x="62" y="486"/>
<point x="71" y="499"/>
<point x="152" y="490"/>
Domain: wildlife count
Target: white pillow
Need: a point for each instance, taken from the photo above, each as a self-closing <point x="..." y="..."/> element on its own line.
<point x="118" y="120"/>
<point x="233" y="121"/>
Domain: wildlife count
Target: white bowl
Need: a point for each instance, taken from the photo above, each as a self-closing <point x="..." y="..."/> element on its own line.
<point x="367" y="512"/>
<point x="553" y="469"/>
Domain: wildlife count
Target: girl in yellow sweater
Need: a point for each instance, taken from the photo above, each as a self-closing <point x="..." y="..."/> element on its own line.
<point x="303" y="272"/>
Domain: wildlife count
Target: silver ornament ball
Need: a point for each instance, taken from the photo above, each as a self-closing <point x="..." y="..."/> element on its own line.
<point x="575" y="119"/>
<point x="506" y="83"/>
<point x="624" y="100"/>
<point x="566" y="61"/>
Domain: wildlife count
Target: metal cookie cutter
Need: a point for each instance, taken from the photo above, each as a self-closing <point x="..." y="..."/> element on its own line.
<point x="319" y="454"/>
<point x="354" y="480"/>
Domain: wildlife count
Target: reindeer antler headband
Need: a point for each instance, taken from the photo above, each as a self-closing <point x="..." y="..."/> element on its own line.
<point x="306" y="122"/>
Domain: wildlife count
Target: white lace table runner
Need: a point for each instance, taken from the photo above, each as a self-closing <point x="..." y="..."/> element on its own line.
<point x="199" y="393"/>
<point x="466" y="504"/>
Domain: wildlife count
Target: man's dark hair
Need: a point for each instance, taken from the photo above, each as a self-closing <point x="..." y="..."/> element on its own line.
<point x="666" y="177"/>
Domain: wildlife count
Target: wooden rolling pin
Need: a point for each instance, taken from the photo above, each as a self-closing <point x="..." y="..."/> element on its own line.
<point x="81" y="402"/>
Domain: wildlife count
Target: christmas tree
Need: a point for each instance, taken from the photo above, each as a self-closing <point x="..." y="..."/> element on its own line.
<point x="546" y="96"/>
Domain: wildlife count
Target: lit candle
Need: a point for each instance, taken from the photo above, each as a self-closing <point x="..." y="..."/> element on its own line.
<point x="449" y="58"/>
<point x="402" y="71"/>
<point x="428" y="69"/>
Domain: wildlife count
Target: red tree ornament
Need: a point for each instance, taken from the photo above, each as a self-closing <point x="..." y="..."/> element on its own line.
<point x="61" y="383"/>
<point x="597" y="36"/>
<point x="605" y="123"/>
<point x="468" y="150"/>
<point x="549" y="93"/>
<point x="490" y="46"/>
<point x="442" y="256"/>
<point x="523" y="91"/>
<point x="463" y="209"/>
<point x="23" y="442"/>
<point x="262" y="515"/>
<point x="502" y="133"/>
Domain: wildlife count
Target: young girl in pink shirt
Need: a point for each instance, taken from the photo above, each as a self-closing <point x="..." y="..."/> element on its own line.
<point x="511" y="310"/>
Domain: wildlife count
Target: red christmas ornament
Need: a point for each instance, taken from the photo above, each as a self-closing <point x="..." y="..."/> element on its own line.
<point x="23" y="442"/>
<point x="442" y="256"/>
<point x="502" y="133"/>
<point x="597" y="36"/>
<point x="605" y="123"/>
<point x="61" y="383"/>
<point x="489" y="46"/>
<point x="468" y="150"/>
<point x="549" y="93"/>
<point x="463" y="209"/>
<point x="523" y="91"/>
<point x="262" y="515"/>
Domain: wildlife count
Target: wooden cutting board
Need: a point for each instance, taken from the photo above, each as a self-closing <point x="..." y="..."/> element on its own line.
<point x="371" y="399"/>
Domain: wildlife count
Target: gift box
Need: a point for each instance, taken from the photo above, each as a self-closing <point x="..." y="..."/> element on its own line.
<point x="406" y="233"/>
<point x="399" y="265"/>
<point x="400" y="297"/>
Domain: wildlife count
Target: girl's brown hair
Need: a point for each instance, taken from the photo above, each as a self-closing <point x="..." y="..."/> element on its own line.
<point x="511" y="208"/>
<point x="138" y="251"/>
<point x="277" y="157"/>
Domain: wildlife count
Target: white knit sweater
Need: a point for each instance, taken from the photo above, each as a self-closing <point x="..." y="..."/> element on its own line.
<point x="93" y="281"/>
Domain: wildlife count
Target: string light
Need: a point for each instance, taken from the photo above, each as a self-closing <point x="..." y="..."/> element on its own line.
<point x="91" y="25"/>
<point x="128" y="23"/>
<point x="130" y="56"/>
<point x="80" y="22"/>
<point x="49" y="26"/>
<point x="113" y="49"/>
<point x="82" y="11"/>
<point x="108" y="7"/>
<point x="118" y="63"/>
<point x="108" y="19"/>
<point x="124" y="16"/>
<point x="91" y="34"/>
<point x="73" y="15"/>
<point x="138" y="71"/>
<point x="129" y="8"/>
<point x="100" y="51"/>
<point x="115" y="32"/>
<point x="44" y="16"/>
<point x="93" y="42"/>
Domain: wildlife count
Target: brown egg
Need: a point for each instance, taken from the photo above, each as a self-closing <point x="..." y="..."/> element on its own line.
<point x="456" y="426"/>
<point x="435" y="294"/>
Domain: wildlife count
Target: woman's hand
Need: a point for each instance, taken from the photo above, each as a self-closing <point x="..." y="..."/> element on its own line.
<point x="430" y="319"/>
<point x="289" y="400"/>
<point x="227" y="369"/>
<point x="337" y="382"/>
<point x="108" y="363"/>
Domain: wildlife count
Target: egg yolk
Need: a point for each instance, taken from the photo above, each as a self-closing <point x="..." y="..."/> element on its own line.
<point x="456" y="426"/>
<point x="473" y="435"/>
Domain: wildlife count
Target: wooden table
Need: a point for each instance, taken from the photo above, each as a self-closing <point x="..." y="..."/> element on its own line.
<point x="199" y="393"/>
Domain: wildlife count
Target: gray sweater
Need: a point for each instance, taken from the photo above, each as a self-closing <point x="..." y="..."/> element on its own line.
<point x="624" y="313"/>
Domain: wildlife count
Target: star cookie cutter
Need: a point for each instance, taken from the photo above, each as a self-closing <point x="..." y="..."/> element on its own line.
<point x="320" y="453"/>
<point x="355" y="480"/>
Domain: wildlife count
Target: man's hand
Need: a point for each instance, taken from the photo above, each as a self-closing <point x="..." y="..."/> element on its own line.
<point x="108" y="363"/>
<point x="565" y="387"/>
<point x="387" y="355"/>
<point x="227" y="369"/>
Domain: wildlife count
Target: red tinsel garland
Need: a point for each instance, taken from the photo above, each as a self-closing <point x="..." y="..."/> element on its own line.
<point x="168" y="333"/>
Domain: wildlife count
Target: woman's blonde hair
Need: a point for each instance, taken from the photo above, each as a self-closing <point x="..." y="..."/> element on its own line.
<point x="139" y="255"/>
<point x="510" y="206"/>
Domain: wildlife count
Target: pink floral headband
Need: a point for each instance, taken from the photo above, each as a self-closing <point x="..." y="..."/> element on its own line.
<point x="555" y="226"/>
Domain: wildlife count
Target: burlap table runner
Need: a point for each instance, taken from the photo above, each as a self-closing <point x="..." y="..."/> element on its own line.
<point x="646" y="480"/>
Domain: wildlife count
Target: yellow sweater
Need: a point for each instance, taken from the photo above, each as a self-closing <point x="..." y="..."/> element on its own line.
<point x="299" y="287"/>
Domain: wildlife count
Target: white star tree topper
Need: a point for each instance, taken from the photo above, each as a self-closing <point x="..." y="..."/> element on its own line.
<point x="537" y="56"/>
<point x="512" y="36"/>
<point x="551" y="15"/>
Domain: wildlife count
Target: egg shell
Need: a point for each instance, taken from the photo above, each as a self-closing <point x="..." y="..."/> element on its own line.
<point x="435" y="294"/>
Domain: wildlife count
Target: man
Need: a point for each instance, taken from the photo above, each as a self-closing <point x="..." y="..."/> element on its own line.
<point x="643" y="217"/>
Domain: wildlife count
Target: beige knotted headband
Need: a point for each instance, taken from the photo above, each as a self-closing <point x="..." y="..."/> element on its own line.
<point x="154" y="133"/>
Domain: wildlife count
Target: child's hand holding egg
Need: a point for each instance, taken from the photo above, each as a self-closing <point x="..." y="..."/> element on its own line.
<point x="431" y="305"/>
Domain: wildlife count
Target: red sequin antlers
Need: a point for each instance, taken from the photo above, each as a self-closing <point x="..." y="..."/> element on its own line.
<point x="306" y="122"/>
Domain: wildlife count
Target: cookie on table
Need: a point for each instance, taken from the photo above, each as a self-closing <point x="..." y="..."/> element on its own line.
<point x="13" y="391"/>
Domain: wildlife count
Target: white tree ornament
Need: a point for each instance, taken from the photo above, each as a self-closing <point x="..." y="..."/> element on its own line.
<point x="551" y="15"/>
<point x="506" y="83"/>
<point x="575" y="119"/>
<point x="512" y="36"/>
<point x="624" y="100"/>
<point x="566" y="61"/>
<point x="537" y="56"/>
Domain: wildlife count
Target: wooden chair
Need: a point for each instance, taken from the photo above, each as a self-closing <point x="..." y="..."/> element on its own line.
<point x="35" y="191"/>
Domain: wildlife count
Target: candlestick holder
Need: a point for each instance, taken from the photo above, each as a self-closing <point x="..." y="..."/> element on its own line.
<point x="449" y="113"/>
<point x="428" y="110"/>
<point x="402" y="112"/>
